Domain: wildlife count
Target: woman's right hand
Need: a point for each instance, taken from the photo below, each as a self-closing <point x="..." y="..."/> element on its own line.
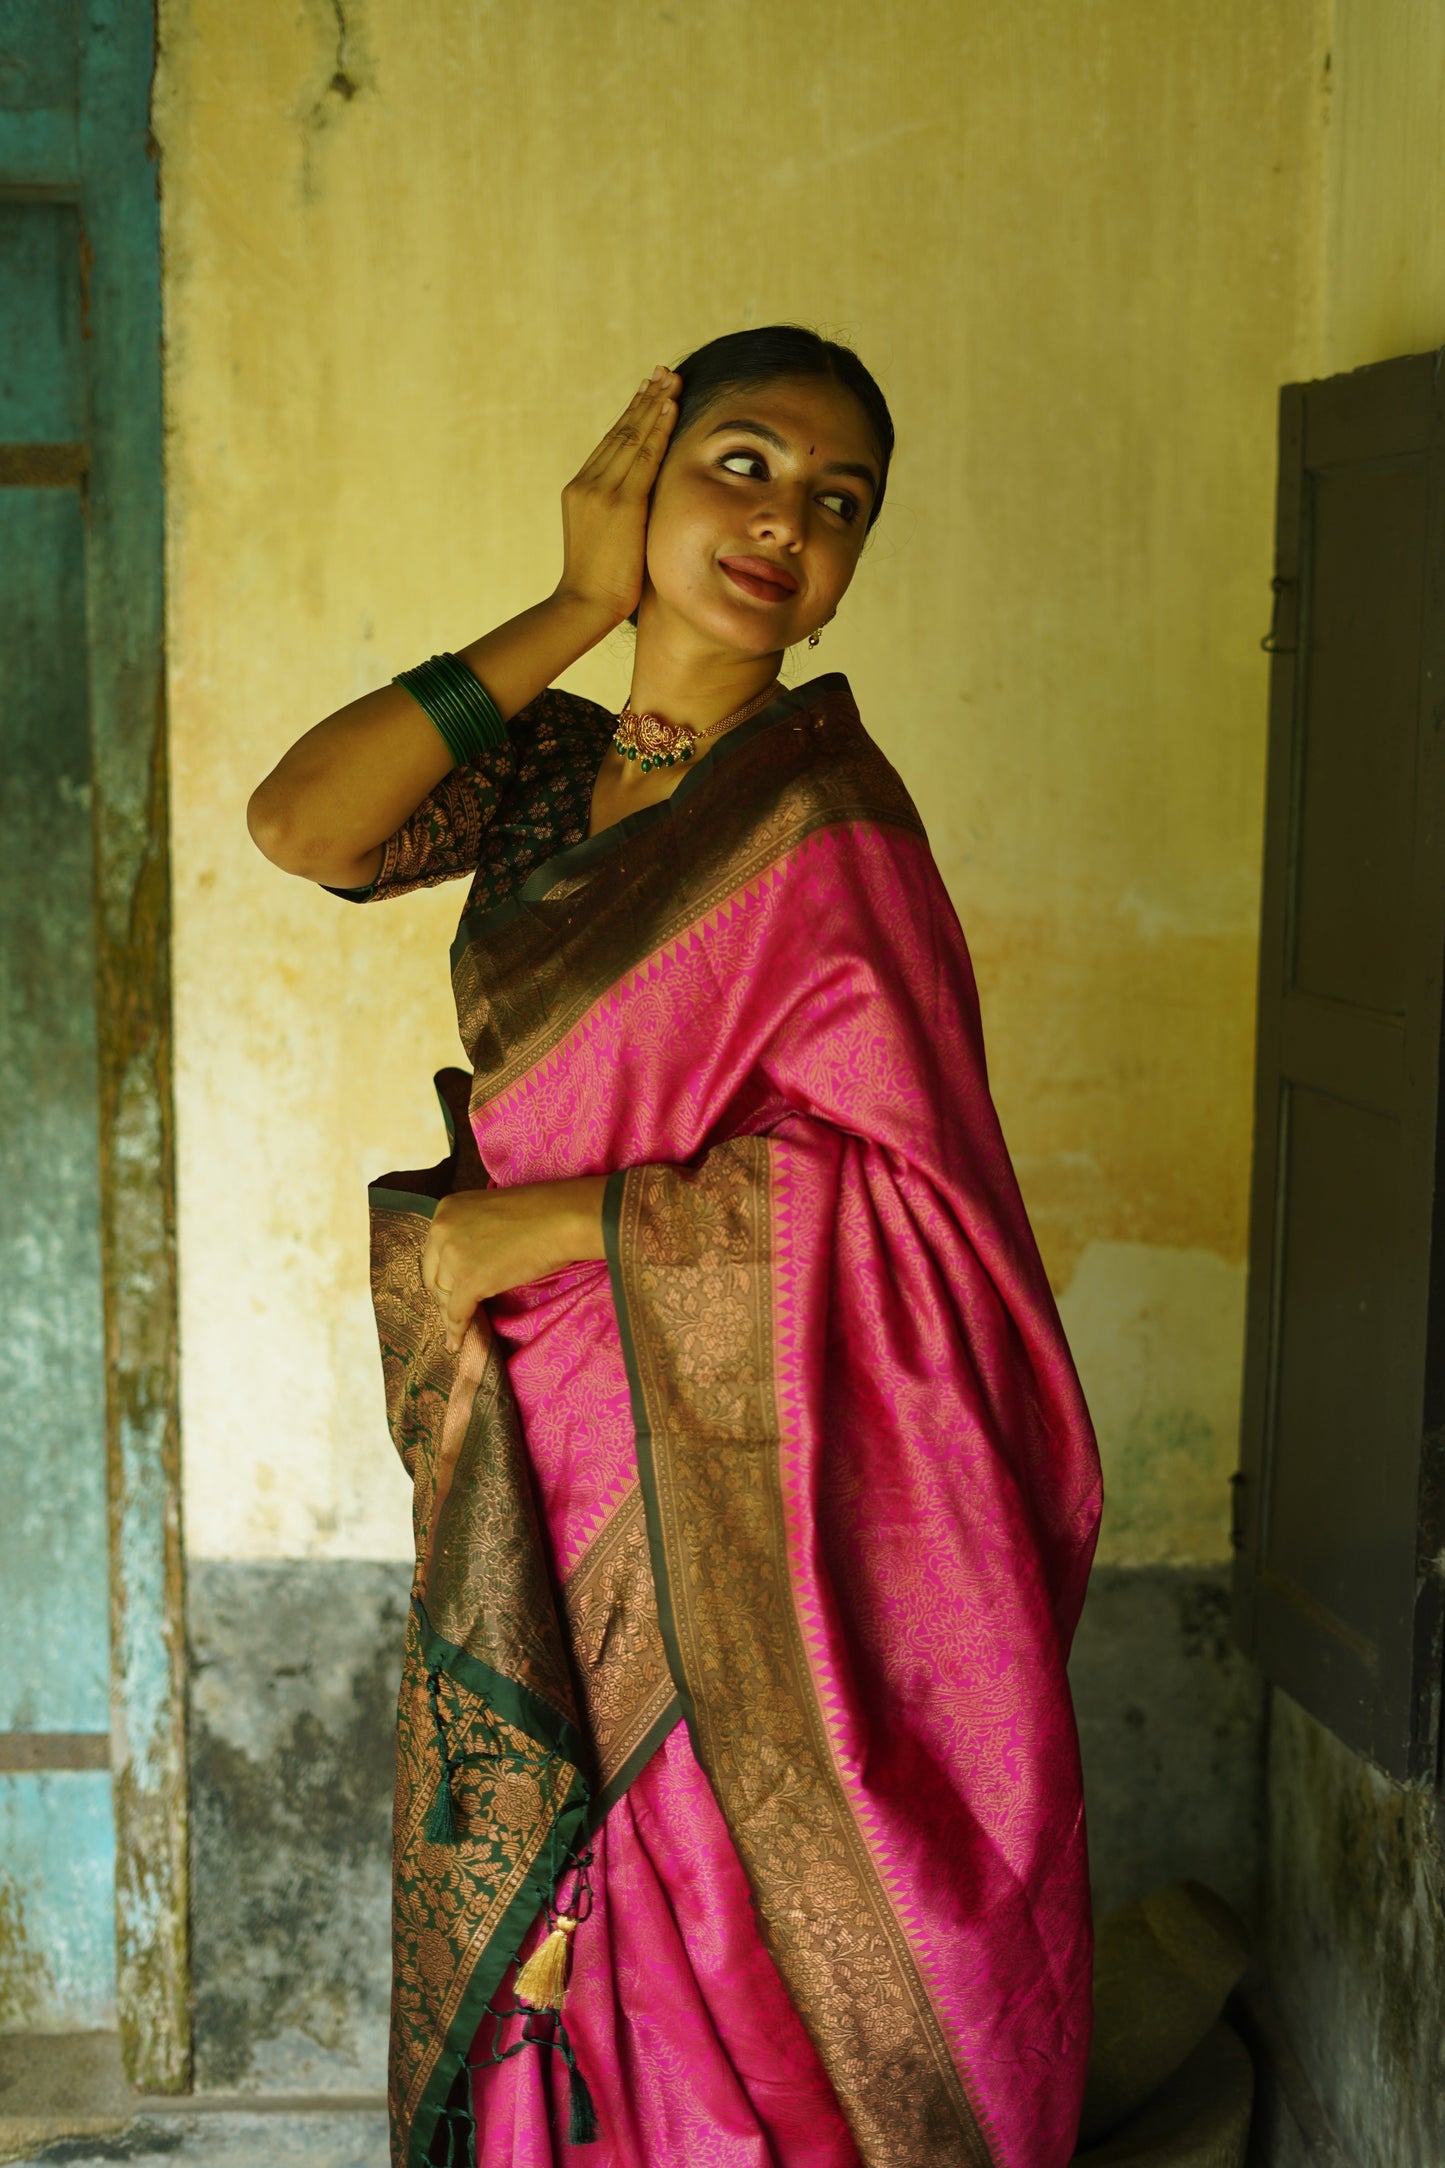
<point x="328" y="806"/>
<point x="604" y="506"/>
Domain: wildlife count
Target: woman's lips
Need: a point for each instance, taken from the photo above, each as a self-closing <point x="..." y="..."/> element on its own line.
<point x="766" y="582"/>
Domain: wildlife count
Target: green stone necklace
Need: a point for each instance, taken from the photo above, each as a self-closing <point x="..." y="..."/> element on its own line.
<point x="660" y="744"/>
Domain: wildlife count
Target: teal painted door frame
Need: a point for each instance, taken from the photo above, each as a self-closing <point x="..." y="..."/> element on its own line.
<point x="74" y="131"/>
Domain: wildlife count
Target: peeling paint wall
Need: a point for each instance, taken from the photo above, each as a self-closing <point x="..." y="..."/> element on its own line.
<point x="415" y="260"/>
<point x="57" y="1922"/>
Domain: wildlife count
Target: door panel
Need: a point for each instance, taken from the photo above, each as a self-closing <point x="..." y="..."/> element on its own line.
<point x="1343" y="1394"/>
<point x="1352" y="888"/>
<point x="57" y="1833"/>
<point x="57" y="1902"/>
<point x="42" y="381"/>
<point x="53" y="1563"/>
<point x="1342" y="1477"/>
<point x="37" y="54"/>
<point x="93" y="1845"/>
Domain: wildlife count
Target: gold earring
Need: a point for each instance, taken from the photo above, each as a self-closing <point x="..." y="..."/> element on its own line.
<point x="815" y="636"/>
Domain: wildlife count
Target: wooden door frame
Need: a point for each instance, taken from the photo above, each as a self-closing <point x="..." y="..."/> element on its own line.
<point x="101" y="155"/>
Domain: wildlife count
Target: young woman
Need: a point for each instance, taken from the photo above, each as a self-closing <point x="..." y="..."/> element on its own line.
<point x="738" y="1814"/>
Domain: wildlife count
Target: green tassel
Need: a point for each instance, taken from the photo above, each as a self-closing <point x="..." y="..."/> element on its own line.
<point x="582" y="2116"/>
<point x="441" y="1822"/>
<point x="461" y="2141"/>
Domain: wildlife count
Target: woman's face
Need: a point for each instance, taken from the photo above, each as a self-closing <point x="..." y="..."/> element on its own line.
<point x="759" y="514"/>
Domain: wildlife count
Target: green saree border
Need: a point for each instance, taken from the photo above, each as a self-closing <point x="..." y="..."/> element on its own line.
<point x="514" y="1703"/>
<point x="523" y="1910"/>
<point x="635" y="1763"/>
<point x="583" y="1807"/>
<point x="523" y="1709"/>
<point x="401" y="1200"/>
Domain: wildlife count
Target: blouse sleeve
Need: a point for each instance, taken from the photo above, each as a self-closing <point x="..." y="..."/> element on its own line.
<point x="442" y="839"/>
<point x="520" y="801"/>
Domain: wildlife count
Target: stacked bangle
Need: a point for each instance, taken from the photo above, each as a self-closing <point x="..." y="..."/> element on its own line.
<point x="458" y="704"/>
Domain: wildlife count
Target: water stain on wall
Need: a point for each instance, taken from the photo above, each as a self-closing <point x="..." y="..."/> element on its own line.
<point x="1158" y="1336"/>
<point x="292" y="1775"/>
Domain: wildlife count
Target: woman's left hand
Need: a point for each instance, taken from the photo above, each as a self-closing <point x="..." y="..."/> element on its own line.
<point x="484" y="1241"/>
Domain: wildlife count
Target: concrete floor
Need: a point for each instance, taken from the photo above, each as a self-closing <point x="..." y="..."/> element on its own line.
<point x="226" y="2138"/>
<point x="64" y="2098"/>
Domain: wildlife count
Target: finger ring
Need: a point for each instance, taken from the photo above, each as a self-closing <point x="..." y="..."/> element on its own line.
<point x="442" y="1290"/>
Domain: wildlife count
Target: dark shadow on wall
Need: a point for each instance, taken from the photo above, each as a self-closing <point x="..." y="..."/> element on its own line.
<point x="293" y="1698"/>
<point x="295" y="1669"/>
<point x="1172" y="1730"/>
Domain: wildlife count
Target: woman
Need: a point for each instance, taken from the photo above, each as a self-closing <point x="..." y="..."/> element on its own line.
<point x="755" y="1496"/>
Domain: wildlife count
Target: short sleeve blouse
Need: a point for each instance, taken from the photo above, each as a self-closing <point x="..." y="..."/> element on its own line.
<point x="501" y="816"/>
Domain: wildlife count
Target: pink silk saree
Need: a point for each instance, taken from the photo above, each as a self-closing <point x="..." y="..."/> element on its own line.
<point x="748" y="1562"/>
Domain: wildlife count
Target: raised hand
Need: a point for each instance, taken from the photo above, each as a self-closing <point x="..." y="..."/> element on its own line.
<point x="604" y="506"/>
<point x="328" y="806"/>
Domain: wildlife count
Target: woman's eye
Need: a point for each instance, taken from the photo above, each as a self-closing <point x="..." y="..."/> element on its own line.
<point x="840" y="502"/>
<point x="751" y="463"/>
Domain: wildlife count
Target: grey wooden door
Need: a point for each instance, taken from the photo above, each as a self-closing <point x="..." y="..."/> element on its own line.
<point x="1339" y="1583"/>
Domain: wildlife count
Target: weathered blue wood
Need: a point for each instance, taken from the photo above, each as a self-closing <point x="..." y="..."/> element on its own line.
<point x="74" y="116"/>
<point x="39" y="150"/>
<point x="57" y="1833"/>
<point x="57" y="1922"/>
<point x="53" y="1531"/>
<point x="128" y="768"/>
<point x="39" y="54"/>
<point x="42" y="373"/>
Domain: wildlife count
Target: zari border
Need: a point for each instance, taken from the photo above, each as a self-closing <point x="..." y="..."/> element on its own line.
<point x="527" y="971"/>
<point x="526" y="1783"/>
<point x="625" y="1696"/>
<point x="574" y="1821"/>
<point x="822" y="1906"/>
<point x="509" y="1699"/>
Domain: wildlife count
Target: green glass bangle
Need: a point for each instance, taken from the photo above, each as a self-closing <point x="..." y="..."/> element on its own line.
<point x="458" y="704"/>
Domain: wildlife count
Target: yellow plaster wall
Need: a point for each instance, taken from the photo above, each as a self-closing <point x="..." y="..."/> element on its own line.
<point x="416" y="256"/>
<point x="1384" y="272"/>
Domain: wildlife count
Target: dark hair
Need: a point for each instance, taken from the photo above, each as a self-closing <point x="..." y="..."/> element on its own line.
<point x="742" y="358"/>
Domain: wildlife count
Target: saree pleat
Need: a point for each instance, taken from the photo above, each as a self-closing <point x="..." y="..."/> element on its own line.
<point x="806" y="1464"/>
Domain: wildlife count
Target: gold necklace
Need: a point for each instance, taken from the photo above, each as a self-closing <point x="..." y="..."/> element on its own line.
<point x="660" y="744"/>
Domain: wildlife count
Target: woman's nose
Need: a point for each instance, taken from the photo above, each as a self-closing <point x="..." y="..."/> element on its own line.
<point x="783" y="518"/>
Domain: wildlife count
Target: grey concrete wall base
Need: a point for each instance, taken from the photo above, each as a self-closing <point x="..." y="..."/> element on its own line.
<point x="1356" y="1942"/>
<point x="295" y="1671"/>
<point x="234" y="2140"/>
<point x="1171" y="1727"/>
<point x="292" y="1727"/>
<point x="1288" y="2128"/>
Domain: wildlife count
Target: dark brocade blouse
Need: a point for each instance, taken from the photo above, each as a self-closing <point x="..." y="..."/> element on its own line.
<point x="501" y="816"/>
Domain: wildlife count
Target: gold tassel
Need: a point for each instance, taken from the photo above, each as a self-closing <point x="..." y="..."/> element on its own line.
<point x="542" y="1981"/>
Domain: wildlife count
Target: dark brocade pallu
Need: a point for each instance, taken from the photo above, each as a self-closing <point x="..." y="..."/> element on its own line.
<point x="747" y="1562"/>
